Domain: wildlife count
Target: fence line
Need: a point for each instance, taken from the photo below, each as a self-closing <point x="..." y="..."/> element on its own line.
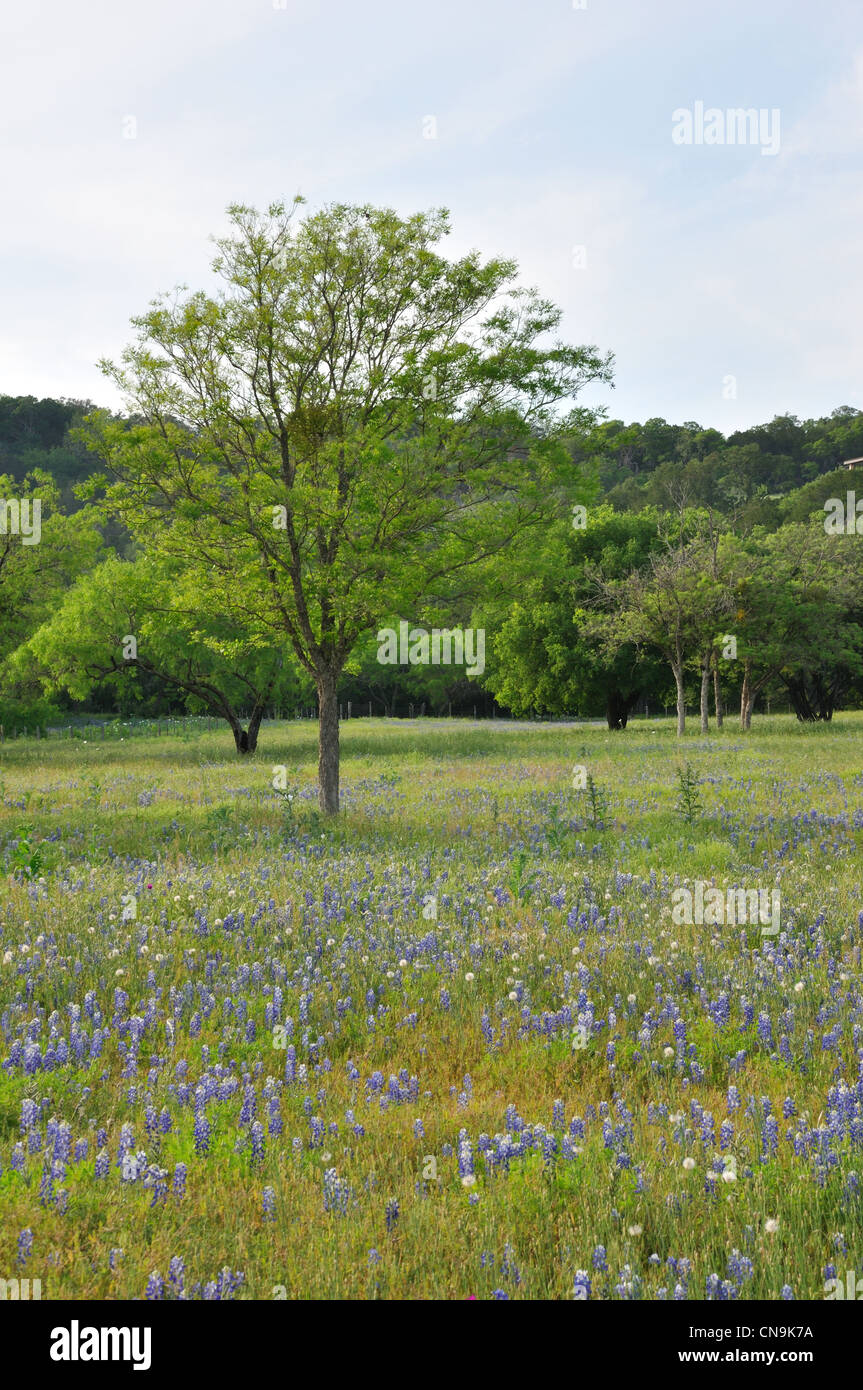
<point x="86" y="727"/>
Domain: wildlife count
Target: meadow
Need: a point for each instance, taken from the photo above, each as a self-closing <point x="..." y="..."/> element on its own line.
<point x="449" y="1045"/>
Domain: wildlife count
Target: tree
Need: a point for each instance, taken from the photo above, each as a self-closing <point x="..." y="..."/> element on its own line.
<point x="796" y="594"/>
<point x="125" y="618"/>
<point x="548" y="656"/>
<point x="350" y="421"/>
<point x="673" y="603"/>
<point x="41" y="553"/>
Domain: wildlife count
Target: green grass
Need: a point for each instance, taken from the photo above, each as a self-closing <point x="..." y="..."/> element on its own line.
<point x="483" y="817"/>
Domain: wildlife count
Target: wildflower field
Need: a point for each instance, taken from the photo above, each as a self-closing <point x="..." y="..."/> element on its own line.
<point x="450" y="1044"/>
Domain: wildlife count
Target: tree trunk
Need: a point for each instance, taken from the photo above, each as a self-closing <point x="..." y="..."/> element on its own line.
<point x="677" y="668"/>
<point x="799" y="699"/>
<point x="717" y="691"/>
<point x="705" y="694"/>
<point x="254" y="726"/>
<point x="328" y="743"/>
<point x="747" y="697"/>
<point x="811" y="698"/>
<point x="241" y="738"/>
<point x="246" y="740"/>
<point x="615" y="709"/>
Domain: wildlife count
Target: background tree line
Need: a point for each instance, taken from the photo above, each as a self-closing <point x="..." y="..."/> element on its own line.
<point x="548" y="653"/>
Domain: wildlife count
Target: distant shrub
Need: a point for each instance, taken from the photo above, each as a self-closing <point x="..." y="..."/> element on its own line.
<point x="27" y="714"/>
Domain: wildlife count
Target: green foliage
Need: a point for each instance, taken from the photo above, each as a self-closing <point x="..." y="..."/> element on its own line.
<point x="221" y="825"/>
<point x="35" y="570"/>
<point x="548" y="654"/>
<point x="740" y="477"/>
<point x="29" y="714"/>
<point x="218" y="656"/>
<point x="25" y="859"/>
<point x="521" y="881"/>
<point x="557" y="831"/>
<point x="689" y="804"/>
<point x="296" y="477"/>
<point x="596" y="803"/>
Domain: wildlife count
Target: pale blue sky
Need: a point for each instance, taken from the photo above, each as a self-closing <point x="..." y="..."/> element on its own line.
<point x="554" y="130"/>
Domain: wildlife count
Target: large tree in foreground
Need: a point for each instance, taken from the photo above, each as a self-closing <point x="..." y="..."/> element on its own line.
<point x="351" y="421"/>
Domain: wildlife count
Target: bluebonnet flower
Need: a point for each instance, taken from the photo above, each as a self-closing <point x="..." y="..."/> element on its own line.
<point x="202" y="1133"/>
<point x="508" y="1267"/>
<point x="177" y="1276"/>
<point x="257" y="1135"/>
<point x="156" y="1179"/>
<point x="336" y="1193"/>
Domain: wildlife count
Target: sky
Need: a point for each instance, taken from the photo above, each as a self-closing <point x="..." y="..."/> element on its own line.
<point x="723" y="276"/>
